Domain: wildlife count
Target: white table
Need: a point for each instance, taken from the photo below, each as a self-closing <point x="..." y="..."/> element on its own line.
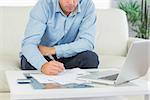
<point x="26" y="92"/>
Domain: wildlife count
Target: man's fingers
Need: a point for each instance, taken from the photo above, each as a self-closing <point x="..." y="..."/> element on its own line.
<point x="52" y="68"/>
<point x="58" y="65"/>
<point x="56" y="68"/>
<point x="53" y="72"/>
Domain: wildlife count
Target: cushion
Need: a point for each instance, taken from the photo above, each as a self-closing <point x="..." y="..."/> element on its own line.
<point x="5" y="96"/>
<point x="112" y="32"/>
<point x="7" y="62"/>
<point x="108" y="61"/>
<point x="12" y="25"/>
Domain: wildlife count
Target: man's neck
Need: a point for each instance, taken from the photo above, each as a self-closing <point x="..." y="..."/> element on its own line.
<point x="67" y="13"/>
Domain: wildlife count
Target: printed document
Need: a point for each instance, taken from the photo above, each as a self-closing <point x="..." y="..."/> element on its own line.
<point x="66" y="77"/>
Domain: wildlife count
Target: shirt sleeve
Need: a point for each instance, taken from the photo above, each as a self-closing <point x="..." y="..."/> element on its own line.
<point x="33" y="34"/>
<point x="86" y="37"/>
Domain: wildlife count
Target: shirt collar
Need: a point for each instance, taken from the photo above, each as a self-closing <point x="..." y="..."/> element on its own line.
<point x="58" y="9"/>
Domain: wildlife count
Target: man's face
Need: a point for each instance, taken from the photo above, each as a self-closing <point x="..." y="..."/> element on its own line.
<point x="68" y="5"/>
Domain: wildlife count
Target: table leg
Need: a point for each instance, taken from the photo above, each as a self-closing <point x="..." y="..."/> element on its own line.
<point x="147" y="97"/>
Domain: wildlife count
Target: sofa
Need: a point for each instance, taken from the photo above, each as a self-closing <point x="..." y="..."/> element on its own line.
<point x="112" y="40"/>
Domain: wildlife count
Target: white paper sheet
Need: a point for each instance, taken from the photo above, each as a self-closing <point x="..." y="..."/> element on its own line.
<point x="66" y="77"/>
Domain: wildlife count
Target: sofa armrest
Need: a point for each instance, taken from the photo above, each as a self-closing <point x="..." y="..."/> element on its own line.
<point x="133" y="39"/>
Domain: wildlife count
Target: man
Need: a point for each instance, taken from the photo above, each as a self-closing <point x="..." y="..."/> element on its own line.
<point x="64" y="29"/>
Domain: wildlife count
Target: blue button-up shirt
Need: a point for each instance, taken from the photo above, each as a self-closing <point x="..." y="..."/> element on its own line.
<point x="49" y="26"/>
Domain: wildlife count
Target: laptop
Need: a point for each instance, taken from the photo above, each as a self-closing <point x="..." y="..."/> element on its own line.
<point x="135" y="66"/>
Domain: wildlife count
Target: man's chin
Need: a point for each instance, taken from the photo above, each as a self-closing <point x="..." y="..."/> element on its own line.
<point x="70" y="10"/>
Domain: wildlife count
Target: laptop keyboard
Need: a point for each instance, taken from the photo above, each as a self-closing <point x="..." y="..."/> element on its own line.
<point x="111" y="77"/>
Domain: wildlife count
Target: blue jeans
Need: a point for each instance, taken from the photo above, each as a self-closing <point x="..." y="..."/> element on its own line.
<point x="83" y="60"/>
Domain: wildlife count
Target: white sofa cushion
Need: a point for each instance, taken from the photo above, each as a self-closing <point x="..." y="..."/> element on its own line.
<point x="12" y="25"/>
<point x="108" y="61"/>
<point x="112" y="32"/>
<point x="13" y="21"/>
<point x="7" y="63"/>
<point x="5" y="96"/>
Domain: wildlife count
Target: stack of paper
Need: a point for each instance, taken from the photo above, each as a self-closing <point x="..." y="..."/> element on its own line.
<point x="66" y="77"/>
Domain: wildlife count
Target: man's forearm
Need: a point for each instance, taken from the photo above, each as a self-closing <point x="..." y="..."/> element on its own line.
<point x="52" y="50"/>
<point x="47" y="50"/>
<point x="33" y="56"/>
<point x="71" y="49"/>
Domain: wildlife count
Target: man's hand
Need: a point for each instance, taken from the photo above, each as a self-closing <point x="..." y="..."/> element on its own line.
<point x="47" y="50"/>
<point x="52" y="68"/>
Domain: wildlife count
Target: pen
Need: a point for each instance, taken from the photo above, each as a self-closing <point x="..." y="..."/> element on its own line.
<point x="51" y="57"/>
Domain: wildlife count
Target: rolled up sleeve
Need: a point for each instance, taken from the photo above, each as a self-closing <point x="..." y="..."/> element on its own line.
<point x="33" y="34"/>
